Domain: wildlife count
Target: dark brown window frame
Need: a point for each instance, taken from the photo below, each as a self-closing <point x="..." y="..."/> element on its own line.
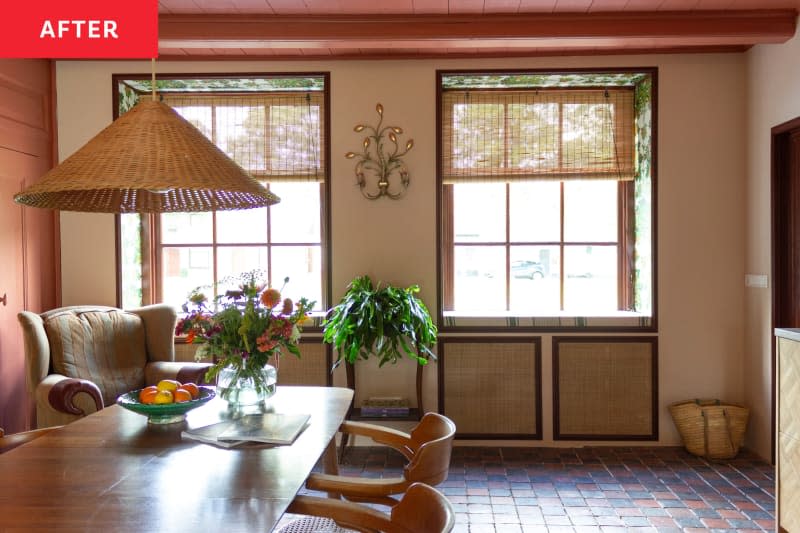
<point x="627" y="290"/>
<point x="151" y="256"/>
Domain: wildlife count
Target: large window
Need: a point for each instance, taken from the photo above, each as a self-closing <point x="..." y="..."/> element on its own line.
<point x="275" y="129"/>
<point x="545" y="197"/>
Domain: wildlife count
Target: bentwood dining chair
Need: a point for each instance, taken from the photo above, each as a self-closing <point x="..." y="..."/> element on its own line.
<point x="9" y="442"/>
<point x="422" y="509"/>
<point x="427" y="448"/>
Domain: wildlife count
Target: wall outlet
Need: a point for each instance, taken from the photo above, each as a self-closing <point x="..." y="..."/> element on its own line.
<point x="760" y="281"/>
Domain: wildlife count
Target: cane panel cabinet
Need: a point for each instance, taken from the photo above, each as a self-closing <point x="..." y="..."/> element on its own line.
<point x="787" y="476"/>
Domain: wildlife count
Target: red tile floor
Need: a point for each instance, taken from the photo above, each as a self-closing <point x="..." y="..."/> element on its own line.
<point x="601" y="489"/>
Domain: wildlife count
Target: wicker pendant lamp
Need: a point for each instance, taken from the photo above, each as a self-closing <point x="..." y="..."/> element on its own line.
<point x="150" y="160"/>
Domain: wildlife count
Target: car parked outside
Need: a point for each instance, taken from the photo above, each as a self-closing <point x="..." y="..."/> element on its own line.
<point x="527" y="269"/>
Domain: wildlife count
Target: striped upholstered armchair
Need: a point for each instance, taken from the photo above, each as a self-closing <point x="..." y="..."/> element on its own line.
<point x="79" y="359"/>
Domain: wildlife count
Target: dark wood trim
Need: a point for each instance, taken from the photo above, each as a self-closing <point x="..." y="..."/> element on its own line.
<point x="426" y="31"/>
<point x="782" y="236"/>
<point x="117" y="217"/>
<point x="326" y="231"/>
<point x="328" y="362"/>
<point x="537" y="353"/>
<point x="443" y="232"/>
<point x="557" y="435"/>
<point x="150" y="270"/>
<point x="447" y="265"/>
<point x="653" y="71"/>
<point x="118" y="258"/>
<point x="456" y="330"/>
<point x="295" y="54"/>
<point x="627" y="247"/>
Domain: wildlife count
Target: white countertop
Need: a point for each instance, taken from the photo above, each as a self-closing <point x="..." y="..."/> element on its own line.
<point x="788" y="333"/>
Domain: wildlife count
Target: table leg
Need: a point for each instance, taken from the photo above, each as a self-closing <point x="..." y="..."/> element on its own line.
<point x="330" y="464"/>
<point x="343" y="444"/>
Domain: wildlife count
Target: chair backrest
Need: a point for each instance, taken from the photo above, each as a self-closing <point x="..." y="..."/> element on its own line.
<point x="424" y="509"/>
<point x="432" y="443"/>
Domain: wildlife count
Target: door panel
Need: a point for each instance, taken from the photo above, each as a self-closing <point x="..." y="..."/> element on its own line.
<point x="28" y="274"/>
<point x="11" y="284"/>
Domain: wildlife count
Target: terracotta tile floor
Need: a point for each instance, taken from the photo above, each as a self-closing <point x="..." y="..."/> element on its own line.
<point x="603" y="489"/>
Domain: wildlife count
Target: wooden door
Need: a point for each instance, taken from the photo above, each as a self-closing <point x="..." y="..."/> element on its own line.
<point x="786" y="224"/>
<point x="28" y="270"/>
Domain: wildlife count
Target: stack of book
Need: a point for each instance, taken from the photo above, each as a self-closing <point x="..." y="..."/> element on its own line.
<point x="385" y="406"/>
<point x="268" y="428"/>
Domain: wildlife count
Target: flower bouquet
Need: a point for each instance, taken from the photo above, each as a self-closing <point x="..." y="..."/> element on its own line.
<point x="241" y="331"/>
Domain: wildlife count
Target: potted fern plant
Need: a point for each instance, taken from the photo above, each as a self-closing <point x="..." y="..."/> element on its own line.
<point x="386" y="322"/>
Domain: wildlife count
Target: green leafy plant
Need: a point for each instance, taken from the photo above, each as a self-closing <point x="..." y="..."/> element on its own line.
<point x="385" y="321"/>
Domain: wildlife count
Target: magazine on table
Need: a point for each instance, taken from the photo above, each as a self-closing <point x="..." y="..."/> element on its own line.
<point x="268" y="428"/>
<point x="209" y="434"/>
<point x="271" y="428"/>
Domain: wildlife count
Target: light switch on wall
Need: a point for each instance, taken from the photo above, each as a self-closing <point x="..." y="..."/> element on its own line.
<point x="760" y="281"/>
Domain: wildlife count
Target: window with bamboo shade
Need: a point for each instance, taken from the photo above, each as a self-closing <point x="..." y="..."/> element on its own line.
<point x="545" y="200"/>
<point x="275" y="129"/>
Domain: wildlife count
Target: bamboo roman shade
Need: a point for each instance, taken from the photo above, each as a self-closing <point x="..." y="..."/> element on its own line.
<point x="552" y="134"/>
<point x="275" y="136"/>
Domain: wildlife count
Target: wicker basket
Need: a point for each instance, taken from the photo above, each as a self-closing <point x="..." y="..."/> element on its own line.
<point x="710" y="428"/>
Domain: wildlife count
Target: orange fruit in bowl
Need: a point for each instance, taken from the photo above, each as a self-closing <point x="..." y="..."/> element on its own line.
<point x="181" y="395"/>
<point x="147" y="394"/>
<point x="193" y="389"/>
<point x="163" y="396"/>
<point x="168" y="384"/>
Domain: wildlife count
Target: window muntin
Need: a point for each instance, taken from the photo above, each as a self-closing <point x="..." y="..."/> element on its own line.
<point x="561" y="226"/>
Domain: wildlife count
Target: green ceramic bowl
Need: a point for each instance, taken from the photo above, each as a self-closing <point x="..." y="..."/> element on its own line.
<point x="167" y="413"/>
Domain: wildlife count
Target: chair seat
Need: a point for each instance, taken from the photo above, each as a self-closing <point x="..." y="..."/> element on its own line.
<point x="313" y="524"/>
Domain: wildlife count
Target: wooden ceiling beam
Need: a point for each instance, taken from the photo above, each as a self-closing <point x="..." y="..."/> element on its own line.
<point x="565" y="30"/>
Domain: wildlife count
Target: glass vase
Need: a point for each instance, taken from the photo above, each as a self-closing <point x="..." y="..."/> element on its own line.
<point x="241" y="389"/>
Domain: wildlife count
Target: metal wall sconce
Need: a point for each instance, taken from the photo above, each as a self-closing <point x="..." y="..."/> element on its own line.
<point x="381" y="159"/>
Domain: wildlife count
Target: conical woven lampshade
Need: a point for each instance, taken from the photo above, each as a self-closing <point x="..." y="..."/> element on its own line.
<point x="150" y="160"/>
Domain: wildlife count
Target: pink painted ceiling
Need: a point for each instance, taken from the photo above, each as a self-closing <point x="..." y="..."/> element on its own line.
<point x="343" y="29"/>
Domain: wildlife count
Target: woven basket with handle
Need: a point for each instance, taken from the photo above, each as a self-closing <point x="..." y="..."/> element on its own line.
<point x="710" y="428"/>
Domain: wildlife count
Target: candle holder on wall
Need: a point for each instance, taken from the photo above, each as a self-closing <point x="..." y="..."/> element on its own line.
<point x="381" y="159"/>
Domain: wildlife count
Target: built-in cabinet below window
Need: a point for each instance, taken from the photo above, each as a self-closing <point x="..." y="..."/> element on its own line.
<point x="787" y="477"/>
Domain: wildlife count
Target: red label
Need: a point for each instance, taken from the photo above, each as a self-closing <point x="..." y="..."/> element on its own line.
<point x="80" y="29"/>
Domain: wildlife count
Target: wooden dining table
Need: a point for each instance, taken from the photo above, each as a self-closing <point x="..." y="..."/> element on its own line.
<point x="112" y="471"/>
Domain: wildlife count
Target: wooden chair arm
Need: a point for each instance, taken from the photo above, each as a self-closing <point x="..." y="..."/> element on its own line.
<point x="422" y="509"/>
<point x="382" y="435"/>
<point x="358" y="488"/>
<point x="345" y="514"/>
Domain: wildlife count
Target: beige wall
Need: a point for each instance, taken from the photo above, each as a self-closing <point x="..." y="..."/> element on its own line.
<point x="773" y="86"/>
<point x="701" y="147"/>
